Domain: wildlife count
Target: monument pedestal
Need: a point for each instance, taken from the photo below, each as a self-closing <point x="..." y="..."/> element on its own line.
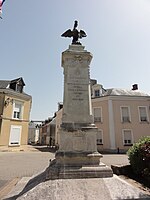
<point x="77" y="156"/>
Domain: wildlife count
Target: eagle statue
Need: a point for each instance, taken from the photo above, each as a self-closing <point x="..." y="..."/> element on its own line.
<point x="75" y="34"/>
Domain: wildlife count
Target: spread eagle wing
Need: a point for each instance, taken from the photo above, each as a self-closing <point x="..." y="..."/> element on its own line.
<point x="2" y="2"/>
<point x="68" y="33"/>
<point x="82" y="34"/>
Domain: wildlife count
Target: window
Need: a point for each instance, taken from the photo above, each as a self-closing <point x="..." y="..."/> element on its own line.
<point x="15" y="135"/>
<point x="97" y="112"/>
<point x="143" y="114"/>
<point x="125" y="116"/>
<point x="17" y="110"/>
<point x="96" y="93"/>
<point x="99" y="137"/>
<point x="127" y="137"/>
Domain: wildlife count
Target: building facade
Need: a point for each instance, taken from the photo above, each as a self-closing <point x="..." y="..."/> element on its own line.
<point x="15" y="106"/>
<point x="122" y="117"/>
<point x="47" y="132"/>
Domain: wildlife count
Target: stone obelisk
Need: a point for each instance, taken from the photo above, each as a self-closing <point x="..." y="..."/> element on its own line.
<point x="77" y="156"/>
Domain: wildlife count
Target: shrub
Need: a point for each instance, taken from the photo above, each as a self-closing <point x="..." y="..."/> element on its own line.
<point x="139" y="157"/>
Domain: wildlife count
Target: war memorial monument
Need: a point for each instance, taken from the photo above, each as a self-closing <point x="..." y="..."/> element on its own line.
<point x="76" y="172"/>
<point x="77" y="156"/>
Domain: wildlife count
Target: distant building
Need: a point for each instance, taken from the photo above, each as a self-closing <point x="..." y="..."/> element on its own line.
<point x="122" y="117"/>
<point x="58" y="123"/>
<point x="15" y="106"/>
<point x="47" y="132"/>
<point x="34" y="132"/>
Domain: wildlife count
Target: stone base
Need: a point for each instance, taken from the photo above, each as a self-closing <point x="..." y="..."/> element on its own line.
<point x="80" y="140"/>
<point x="77" y="156"/>
<point x="74" y="158"/>
<point x="55" y="171"/>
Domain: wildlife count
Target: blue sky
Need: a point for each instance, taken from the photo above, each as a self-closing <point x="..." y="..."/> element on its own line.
<point x="118" y="36"/>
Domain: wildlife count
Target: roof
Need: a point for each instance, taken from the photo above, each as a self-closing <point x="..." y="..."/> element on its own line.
<point x="4" y="84"/>
<point x="9" y="86"/>
<point x="123" y="92"/>
<point x="53" y="122"/>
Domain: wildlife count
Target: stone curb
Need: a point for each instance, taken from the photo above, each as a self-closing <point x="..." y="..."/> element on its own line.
<point x="19" y="149"/>
<point x="8" y="187"/>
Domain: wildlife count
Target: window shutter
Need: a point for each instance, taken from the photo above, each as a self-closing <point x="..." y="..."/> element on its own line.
<point x="127" y="135"/>
<point x="143" y="111"/>
<point x="99" y="137"/>
<point x="125" y="112"/>
<point x="143" y="115"/>
<point x="97" y="114"/>
<point x="17" y="107"/>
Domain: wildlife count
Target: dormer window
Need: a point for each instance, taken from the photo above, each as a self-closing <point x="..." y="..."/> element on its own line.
<point x="19" y="88"/>
<point x="17" y="85"/>
<point x="97" y="93"/>
<point x="13" y="86"/>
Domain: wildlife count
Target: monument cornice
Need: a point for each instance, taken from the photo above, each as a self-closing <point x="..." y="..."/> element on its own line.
<point x="73" y="57"/>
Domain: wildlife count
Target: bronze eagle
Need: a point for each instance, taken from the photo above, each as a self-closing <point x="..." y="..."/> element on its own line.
<point x="75" y="34"/>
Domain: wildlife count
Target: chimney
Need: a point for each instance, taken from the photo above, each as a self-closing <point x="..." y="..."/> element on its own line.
<point x="135" y="87"/>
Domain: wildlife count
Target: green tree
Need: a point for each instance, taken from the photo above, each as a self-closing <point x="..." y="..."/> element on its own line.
<point x="139" y="157"/>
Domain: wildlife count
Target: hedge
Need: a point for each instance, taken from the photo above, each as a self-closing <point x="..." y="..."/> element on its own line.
<point x="139" y="157"/>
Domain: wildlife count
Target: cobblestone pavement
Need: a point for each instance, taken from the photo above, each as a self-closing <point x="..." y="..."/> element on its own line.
<point x="26" y="164"/>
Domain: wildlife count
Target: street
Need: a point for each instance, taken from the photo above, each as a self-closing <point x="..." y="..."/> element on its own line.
<point x="26" y="164"/>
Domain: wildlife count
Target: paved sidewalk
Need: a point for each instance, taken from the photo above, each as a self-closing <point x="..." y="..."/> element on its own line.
<point x="21" y="164"/>
<point x="24" y="148"/>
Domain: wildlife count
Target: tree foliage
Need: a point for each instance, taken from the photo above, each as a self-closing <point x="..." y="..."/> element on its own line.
<point x="139" y="157"/>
